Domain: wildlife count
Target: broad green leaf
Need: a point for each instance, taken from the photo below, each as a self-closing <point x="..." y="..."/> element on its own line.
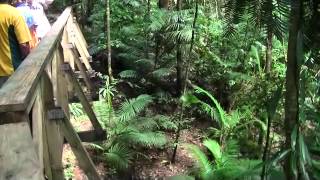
<point x="214" y="148"/>
<point x="189" y="99"/>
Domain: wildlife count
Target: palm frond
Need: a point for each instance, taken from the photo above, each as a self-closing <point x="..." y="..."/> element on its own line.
<point x="221" y="113"/>
<point x="129" y="74"/>
<point x="214" y="148"/>
<point x="119" y="156"/>
<point x="202" y="161"/>
<point x="146" y="123"/>
<point x="162" y="72"/>
<point x="133" y="107"/>
<point x="148" y="139"/>
<point x="165" y="122"/>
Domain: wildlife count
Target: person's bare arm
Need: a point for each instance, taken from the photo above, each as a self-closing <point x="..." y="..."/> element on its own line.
<point x="25" y="49"/>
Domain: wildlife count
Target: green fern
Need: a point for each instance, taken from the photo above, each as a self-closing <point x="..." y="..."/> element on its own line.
<point x="148" y="139"/>
<point x="145" y="123"/>
<point x="166" y="122"/>
<point x="214" y="148"/>
<point x="128" y="132"/>
<point x="119" y="156"/>
<point x="133" y="107"/>
<point x="129" y="74"/>
<point x="202" y="162"/>
<point x="225" y="164"/>
<point x="221" y="113"/>
<point x="162" y="72"/>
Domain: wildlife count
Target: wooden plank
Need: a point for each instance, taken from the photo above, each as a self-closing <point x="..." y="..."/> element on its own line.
<point x="91" y="136"/>
<point x="82" y="53"/>
<point x="54" y="73"/>
<point x="37" y="126"/>
<point x="23" y="82"/>
<point x="72" y="36"/>
<point x="78" y="35"/>
<point x="81" y="34"/>
<point x="62" y="83"/>
<point x="86" y="105"/>
<point x="17" y="154"/>
<point x="80" y="152"/>
<point x="69" y="30"/>
<point x="83" y="71"/>
<point x="39" y="133"/>
<point x="67" y="53"/>
<point x="46" y="156"/>
<point x="52" y="130"/>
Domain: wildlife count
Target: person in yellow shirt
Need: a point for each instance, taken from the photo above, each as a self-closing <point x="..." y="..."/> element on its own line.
<point x="14" y="40"/>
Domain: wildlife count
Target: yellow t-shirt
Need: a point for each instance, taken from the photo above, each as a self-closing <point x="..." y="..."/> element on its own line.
<point x="13" y="31"/>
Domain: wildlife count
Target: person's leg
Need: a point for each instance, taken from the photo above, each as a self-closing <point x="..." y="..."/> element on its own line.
<point x="3" y="79"/>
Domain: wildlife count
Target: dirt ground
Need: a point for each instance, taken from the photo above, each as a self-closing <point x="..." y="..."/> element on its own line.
<point x="156" y="166"/>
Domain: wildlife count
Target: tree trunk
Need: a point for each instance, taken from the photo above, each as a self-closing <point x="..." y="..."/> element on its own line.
<point x="269" y="38"/>
<point x="164" y="4"/>
<point x="90" y="4"/>
<point x="269" y="51"/>
<point x="185" y="86"/>
<point x="148" y="15"/>
<point x="292" y="82"/>
<point x="108" y="39"/>
<point x="179" y="66"/>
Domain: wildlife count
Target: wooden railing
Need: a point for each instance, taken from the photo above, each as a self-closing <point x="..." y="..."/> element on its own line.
<point x="34" y="107"/>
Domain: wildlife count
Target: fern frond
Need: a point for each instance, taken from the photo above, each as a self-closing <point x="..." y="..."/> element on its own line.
<point x="183" y="35"/>
<point x="209" y="110"/>
<point x="148" y="139"/>
<point x="158" y="20"/>
<point x="231" y="149"/>
<point x="162" y="72"/>
<point x="214" y="148"/>
<point x="132" y="107"/>
<point x="202" y="161"/>
<point x="146" y="123"/>
<point x="119" y="157"/>
<point x="145" y="62"/>
<point x="221" y="113"/>
<point x="166" y="123"/>
<point x="129" y="74"/>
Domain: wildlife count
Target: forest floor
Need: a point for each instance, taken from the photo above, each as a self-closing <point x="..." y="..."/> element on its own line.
<point x="156" y="165"/>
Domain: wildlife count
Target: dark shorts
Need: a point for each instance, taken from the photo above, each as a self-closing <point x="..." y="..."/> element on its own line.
<point x="3" y="79"/>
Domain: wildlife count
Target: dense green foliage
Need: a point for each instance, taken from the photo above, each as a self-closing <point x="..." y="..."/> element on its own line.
<point x="225" y="46"/>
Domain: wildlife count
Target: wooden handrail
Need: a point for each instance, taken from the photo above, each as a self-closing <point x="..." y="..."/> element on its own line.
<point x="17" y="93"/>
<point x="34" y="107"/>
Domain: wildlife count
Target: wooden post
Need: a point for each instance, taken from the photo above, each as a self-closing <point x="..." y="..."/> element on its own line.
<point x="37" y="126"/>
<point x="76" y="43"/>
<point x="62" y="83"/>
<point x="80" y="33"/>
<point x="53" y="134"/>
<point x="73" y="139"/>
<point x="86" y="105"/>
<point x="17" y="151"/>
<point x="79" y="36"/>
<point x="39" y="133"/>
<point x="67" y="53"/>
<point x="83" y="71"/>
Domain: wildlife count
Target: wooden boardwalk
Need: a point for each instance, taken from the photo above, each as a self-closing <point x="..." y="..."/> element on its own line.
<point x="34" y="107"/>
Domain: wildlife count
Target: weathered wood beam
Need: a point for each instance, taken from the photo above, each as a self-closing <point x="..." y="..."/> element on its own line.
<point x="73" y="139"/>
<point x="85" y="103"/>
<point x="17" y="151"/>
